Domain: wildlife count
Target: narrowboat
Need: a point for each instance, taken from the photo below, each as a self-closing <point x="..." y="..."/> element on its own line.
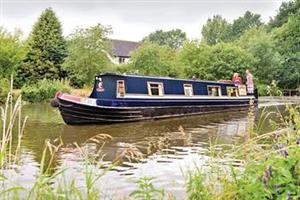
<point x="120" y="98"/>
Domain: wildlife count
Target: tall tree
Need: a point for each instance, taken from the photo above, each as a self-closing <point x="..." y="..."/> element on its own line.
<point x="286" y="9"/>
<point x="12" y="52"/>
<point x="216" y="30"/>
<point x="154" y="59"/>
<point x="244" y="23"/>
<point x="173" y="38"/>
<point x="287" y="40"/>
<point x="88" y="54"/>
<point x="46" y="50"/>
<point x="215" y="62"/>
<point x="267" y="59"/>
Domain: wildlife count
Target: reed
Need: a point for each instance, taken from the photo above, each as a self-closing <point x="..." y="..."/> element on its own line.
<point x="13" y="126"/>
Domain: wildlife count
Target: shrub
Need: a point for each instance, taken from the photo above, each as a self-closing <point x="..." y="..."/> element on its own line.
<point x="4" y="89"/>
<point x="262" y="89"/>
<point x="43" y="90"/>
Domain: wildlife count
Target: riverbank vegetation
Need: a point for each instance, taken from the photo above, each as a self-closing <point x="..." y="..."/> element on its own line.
<point x="270" y="50"/>
<point x="44" y="89"/>
<point x="256" y="166"/>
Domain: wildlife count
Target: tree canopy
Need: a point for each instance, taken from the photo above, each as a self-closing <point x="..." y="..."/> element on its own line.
<point x="88" y="54"/>
<point x="215" y="62"/>
<point x="244" y="23"/>
<point x="46" y="50"/>
<point x="12" y="52"/>
<point x="287" y="40"/>
<point x="262" y="47"/>
<point x="287" y="8"/>
<point x="216" y="30"/>
<point x="174" y="38"/>
<point x="154" y="59"/>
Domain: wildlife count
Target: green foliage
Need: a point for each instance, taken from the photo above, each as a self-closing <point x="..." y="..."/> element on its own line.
<point x="46" y="51"/>
<point x="244" y="23"/>
<point x="153" y="59"/>
<point x="146" y="190"/>
<point x="12" y="52"/>
<point x="196" y="188"/>
<point x="271" y="168"/>
<point x="43" y="90"/>
<point x="174" y="38"/>
<point x="262" y="89"/>
<point x="216" y="30"/>
<point x="287" y="40"/>
<point x="267" y="59"/>
<point x="287" y="8"/>
<point x="88" y="54"/>
<point x="4" y="89"/>
<point x="215" y="62"/>
<point x="276" y="178"/>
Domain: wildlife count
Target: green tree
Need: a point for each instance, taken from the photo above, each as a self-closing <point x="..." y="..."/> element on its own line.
<point x="88" y="56"/>
<point x="12" y="51"/>
<point x="214" y="62"/>
<point x="267" y="59"/>
<point x="174" y="38"/>
<point x="287" y="40"/>
<point x="244" y="23"/>
<point x="46" y="50"/>
<point x="154" y="59"/>
<point x="216" y="30"/>
<point x="286" y="9"/>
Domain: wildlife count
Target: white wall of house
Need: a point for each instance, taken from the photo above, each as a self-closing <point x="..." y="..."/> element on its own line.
<point x="119" y="60"/>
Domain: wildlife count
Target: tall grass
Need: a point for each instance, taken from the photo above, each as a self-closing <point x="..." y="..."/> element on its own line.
<point x="12" y="130"/>
<point x="268" y="167"/>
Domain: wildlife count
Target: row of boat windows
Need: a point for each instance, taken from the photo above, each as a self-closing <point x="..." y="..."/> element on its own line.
<point x="157" y="89"/>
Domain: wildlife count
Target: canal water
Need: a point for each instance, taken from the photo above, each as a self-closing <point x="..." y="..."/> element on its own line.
<point x="164" y="149"/>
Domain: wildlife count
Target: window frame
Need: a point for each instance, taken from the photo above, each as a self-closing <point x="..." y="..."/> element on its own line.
<point x="189" y="85"/>
<point x="117" y="89"/>
<point x="215" y="86"/>
<point x="232" y="87"/>
<point x="158" y="83"/>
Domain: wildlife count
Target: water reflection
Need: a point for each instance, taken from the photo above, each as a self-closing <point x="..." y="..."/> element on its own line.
<point x="165" y="147"/>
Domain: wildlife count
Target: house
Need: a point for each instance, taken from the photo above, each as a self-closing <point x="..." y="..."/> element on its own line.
<point x="121" y="50"/>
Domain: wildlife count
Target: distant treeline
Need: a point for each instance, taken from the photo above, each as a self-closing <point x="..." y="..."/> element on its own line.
<point x="270" y="50"/>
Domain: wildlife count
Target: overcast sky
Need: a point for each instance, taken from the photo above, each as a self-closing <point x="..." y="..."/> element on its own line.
<point x="131" y="19"/>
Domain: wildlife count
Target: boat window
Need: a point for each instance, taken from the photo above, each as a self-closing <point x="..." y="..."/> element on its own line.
<point x="232" y="91"/>
<point x="214" y="90"/>
<point x="242" y="90"/>
<point x="188" y="89"/>
<point x="120" y="88"/>
<point x="155" y="89"/>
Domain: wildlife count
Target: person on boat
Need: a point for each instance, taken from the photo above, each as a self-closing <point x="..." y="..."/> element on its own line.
<point x="249" y="83"/>
<point x="236" y="79"/>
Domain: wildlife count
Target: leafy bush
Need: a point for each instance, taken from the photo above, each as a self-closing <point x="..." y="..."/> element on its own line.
<point x="44" y="89"/>
<point x="4" y="89"/>
<point x="262" y="89"/>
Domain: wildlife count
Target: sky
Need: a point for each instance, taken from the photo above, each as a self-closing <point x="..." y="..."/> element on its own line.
<point x="131" y="19"/>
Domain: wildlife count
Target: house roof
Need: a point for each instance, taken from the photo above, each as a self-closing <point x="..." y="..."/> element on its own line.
<point x="122" y="48"/>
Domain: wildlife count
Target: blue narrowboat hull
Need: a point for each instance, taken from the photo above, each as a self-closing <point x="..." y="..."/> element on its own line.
<point x="129" y="98"/>
<point x="133" y="110"/>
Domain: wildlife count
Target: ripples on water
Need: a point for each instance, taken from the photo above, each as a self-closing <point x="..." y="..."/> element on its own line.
<point x="168" y="148"/>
